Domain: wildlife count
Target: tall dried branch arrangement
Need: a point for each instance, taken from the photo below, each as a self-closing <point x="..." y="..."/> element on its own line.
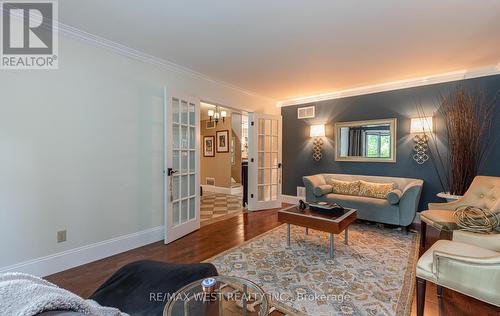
<point x="469" y="118"/>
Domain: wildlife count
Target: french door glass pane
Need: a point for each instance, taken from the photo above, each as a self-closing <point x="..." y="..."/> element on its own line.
<point x="274" y="128"/>
<point x="192" y="185"/>
<point x="192" y="138"/>
<point x="261" y="160"/>
<point x="192" y="205"/>
<point x="267" y="160"/>
<point x="184" y="137"/>
<point x="264" y="193"/>
<point x="184" y="112"/>
<point x="274" y="147"/>
<point x="260" y="173"/>
<point x="176" y="213"/>
<point x="261" y="143"/>
<point x="192" y="114"/>
<point x="184" y="211"/>
<point x="184" y="161"/>
<point x="267" y="192"/>
<point x="267" y="176"/>
<point x="175" y="189"/>
<point x="176" y="160"/>
<point x="192" y="161"/>
<point x="184" y="186"/>
<point x="175" y="110"/>
<point x="175" y="135"/>
<point x="262" y="129"/>
<point x="274" y="160"/>
<point x="274" y="176"/>
<point x="267" y="145"/>
<point x="260" y="194"/>
<point x="274" y="192"/>
<point x="267" y="127"/>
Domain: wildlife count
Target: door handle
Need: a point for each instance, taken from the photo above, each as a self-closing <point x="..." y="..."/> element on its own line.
<point x="171" y="171"/>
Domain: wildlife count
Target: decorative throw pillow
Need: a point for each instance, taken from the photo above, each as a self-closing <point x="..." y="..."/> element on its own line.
<point x="394" y="196"/>
<point x="345" y="187"/>
<point x="375" y="190"/>
<point x="322" y="189"/>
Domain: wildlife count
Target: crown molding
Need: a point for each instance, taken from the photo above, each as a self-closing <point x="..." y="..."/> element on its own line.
<point x="97" y="41"/>
<point x="395" y="85"/>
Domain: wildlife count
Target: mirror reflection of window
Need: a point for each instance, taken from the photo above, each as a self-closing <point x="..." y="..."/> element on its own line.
<point x="361" y="141"/>
<point x="377" y="144"/>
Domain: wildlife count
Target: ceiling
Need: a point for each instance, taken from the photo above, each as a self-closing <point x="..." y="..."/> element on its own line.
<point x="282" y="49"/>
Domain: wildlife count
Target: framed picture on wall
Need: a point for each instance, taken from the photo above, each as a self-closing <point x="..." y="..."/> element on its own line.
<point x="210" y="124"/>
<point x="209" y="146"/>
<point x="222" y="141"/>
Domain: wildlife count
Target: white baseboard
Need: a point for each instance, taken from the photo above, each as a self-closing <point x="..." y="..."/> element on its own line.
<point x="75" y="257"/>
<point x="223" y="190"/>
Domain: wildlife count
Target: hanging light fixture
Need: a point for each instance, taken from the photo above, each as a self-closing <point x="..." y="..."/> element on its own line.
<point x="217" y="114"/>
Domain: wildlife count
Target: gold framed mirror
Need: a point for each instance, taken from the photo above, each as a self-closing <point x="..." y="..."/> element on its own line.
<point x="366" y="141"/>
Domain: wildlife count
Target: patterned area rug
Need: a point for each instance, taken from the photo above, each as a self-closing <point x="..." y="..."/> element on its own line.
<point x="214" y="205"/>
<point x="373" y="275"/>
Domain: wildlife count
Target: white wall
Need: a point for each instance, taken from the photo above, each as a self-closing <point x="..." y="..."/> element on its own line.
<point x="81" y="149"/>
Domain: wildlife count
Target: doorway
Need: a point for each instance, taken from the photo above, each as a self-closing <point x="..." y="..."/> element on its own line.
<point x="224" y="149"/>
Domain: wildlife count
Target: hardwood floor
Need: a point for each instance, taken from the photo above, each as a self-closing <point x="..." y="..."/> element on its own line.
<point x="208" y="241"/>
<point x="214" y="238"/>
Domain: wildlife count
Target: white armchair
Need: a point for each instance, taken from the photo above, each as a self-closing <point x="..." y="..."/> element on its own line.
<point x="469" y="264"/>
<point x="484" y="192"/>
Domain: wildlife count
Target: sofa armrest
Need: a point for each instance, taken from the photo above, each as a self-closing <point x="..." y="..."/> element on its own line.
<point x="408" y="203"/>
<point x="311" y="182"/>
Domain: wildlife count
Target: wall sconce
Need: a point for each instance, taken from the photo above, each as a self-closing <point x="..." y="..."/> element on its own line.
<point x="420" y="127"/>
<point x="317" y="131"/>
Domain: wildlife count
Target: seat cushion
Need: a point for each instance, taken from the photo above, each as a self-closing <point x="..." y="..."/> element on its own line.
<point x="424" y="265"/>
<point x="370" y="209"/>
<point x="442" y="220"/>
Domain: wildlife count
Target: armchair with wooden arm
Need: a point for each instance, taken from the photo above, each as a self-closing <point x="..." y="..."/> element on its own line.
<point x="463" y="266"/>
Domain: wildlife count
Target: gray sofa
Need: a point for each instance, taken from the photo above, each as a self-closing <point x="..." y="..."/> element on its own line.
<point x="372" y="209"/>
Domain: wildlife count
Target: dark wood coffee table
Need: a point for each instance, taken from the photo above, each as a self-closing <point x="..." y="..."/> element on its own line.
<point x="333" y="222"/>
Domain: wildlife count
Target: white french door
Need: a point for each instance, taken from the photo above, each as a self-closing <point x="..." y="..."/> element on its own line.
<point x="264" y="163"/>
<point x="181" y="173"/>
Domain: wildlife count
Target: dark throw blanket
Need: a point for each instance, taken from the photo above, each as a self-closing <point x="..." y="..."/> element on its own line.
<point x="141" y="288"/>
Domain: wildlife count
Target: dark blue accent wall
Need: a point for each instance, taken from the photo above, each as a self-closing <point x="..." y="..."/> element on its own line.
<point x="401" y="104"/>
